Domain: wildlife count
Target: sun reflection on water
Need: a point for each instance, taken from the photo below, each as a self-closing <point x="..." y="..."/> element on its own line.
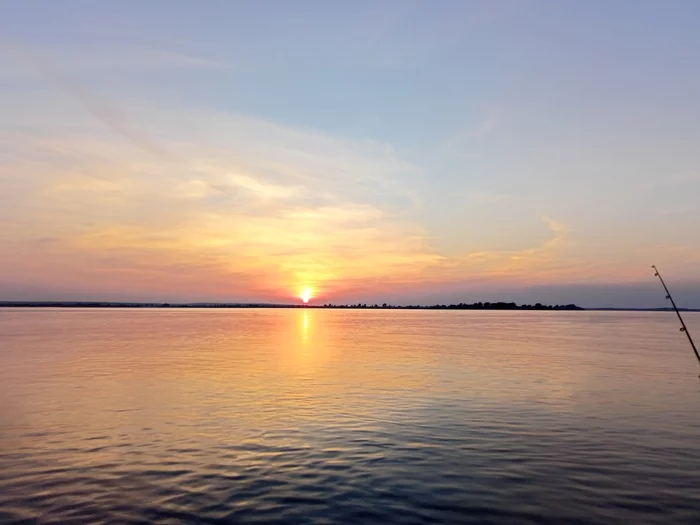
<point x="305" y="326"/>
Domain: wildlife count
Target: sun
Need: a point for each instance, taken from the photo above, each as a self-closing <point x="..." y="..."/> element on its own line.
<point x="306" y="294"/>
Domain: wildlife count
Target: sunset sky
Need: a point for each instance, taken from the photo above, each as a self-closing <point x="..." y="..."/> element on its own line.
<point x="403" y="151"/>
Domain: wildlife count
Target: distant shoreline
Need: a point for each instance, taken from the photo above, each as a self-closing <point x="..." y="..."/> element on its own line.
<point x="358" y="306"/>
<point x="499" y="306"/>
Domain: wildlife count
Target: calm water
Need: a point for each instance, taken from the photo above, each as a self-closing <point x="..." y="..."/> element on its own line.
<point x="317" y="416"/>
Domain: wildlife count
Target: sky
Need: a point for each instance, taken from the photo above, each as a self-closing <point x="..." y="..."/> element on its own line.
<point x="369" y="151"/>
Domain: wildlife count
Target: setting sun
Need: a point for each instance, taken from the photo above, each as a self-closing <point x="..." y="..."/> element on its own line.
<point x="306" y="294"/>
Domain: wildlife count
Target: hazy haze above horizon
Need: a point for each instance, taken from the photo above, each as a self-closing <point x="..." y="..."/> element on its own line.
<point x="404" y="152"/>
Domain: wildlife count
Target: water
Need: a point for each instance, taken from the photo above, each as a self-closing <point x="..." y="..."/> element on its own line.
<point x="325" y="416"/>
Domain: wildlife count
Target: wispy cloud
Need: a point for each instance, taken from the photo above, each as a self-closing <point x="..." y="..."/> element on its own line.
<point x="531" y="263"/>
<point x="101" y="110"/>
<point x="467" y="141"/>
<point x="295" y="207"/>
<point x="220" y="196"/>
<point x="71" y="60"/>
<point x="484" y="127"/>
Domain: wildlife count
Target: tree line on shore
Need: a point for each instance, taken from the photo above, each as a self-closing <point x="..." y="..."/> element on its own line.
<point x="463" y="306"/>
<point x="460" y="306"/>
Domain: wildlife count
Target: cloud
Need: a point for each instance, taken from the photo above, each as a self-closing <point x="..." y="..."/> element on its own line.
<point x="73" y="60"/>
<point x="218" y="203"/>
<point x="263" y="190"/>
<point x="295" y="206"/>
<point x="537" y="263"/>
<point x="465" y="142"/>
<point x="485" y="126"/>
<point x="104" y="112"/>
<point x="558" y="228"/>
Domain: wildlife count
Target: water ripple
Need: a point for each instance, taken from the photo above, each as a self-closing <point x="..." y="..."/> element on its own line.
<point x="346" y="417"/>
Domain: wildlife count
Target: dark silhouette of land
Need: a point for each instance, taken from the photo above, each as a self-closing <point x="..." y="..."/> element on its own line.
<point x="460" y="306"/>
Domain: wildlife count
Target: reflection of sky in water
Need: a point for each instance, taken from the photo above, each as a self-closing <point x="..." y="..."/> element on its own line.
<point x="434" y="409"/>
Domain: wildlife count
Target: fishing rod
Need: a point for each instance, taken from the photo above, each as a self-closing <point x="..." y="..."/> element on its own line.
<point x="683" y="327"/>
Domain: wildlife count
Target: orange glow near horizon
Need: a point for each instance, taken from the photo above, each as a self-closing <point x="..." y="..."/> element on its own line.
<point x="306" y="294"/>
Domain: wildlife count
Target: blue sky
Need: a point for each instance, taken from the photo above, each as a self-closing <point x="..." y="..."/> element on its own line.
<point x="417" y="151"/>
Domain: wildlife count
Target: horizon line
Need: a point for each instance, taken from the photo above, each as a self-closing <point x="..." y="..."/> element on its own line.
<point x="360" y="306"/>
